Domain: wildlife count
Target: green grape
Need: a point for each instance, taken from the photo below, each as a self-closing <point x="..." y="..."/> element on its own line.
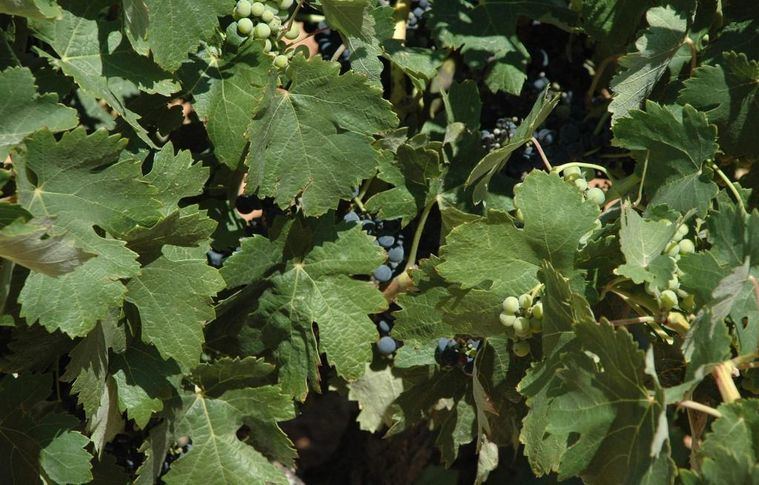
<point x="681" y="293"/>
<point x="689" y="303"/>
<point x="537" y="310"/>
<point x="281" y="61"/>
<point x="244" y="26"/>
<point x="257" y="9"/>
<point x="267" y="15"/>
<point x="510" y="305"/>
<point x="571" y="173"/>
<point x="596" y="196"/>
<point x="293" y="33"/>
<point x="581" y="184"/>
<point x="243" y="8"/>
<point x="275" y="24"/>
<point x="521" y="327"/>
<point x="682" y="230"/>
<point x="672" y="249"/>
<point x="521" y="349"/>
<point x="262" y="31"/>
<point x="519" y="215"/>
<point x="525" y="301"/>
<point x="668" y="299"/>
<point x="686" y="246"/>
<point x="507" y="320"/>
<point x="285" y="4"/>
<point x="267" y="45"/>
<point x="536" y="326"/>
<point x="673" y="284"/>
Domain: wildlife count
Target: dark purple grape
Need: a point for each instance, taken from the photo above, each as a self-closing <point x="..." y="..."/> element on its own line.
<point x="386" y="241"/>
<point x="384" y="327"/>
<point x="396" y="254"/>
<point x="386" y="345"/>
<point x="383" y="274"/>
<point x="351" y="217"/>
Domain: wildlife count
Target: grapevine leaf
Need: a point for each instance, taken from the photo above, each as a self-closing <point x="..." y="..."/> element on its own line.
<point x="727" y="93"/>
<point x="93" y="386"/>
<point x="319" y="289"/>
<point x="420" y="319"/>
<point x="144" y="382"/>
<point x="556" y="217"/>
<point x="419" y="64"/>
<point x="136" y="21"/>
<point x="227" y="373"/>
<point x="38" y="9"/>
<point x="25" y="111"/>
<point x="641" y="70"/>
<point x="217" y="454"/>
<point x="80" y="181"/>
<point x="225" y="90"/>
<point x="613" y="22"/>
<point x="256" y="257"/>
<point x="728" y="453"/>
<point x="643" y="242"/>
<point x="170" y="40"/>
<point x="29" y="244"/>
<point x="677" y="144"/>
<point x="33" y="446"/>
<point x="101" y="61"/>
<point x="374" y="392"/>
<point x="332" y="117"/>
<point x="494" y="161"/>
<point x="173" y="297"/>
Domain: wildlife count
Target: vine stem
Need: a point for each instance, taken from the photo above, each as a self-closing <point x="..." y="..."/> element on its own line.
<point x="632" y="321"/>
<point x="738" y="199"/>
<point x="597" y="76"/>
<point x="338" y="52"/>
<point x="418" y="235"/>
<point x="723" y="376"/>
<point x="542" y="154"/>
<point x="697" y="406"/>
<point x="693" y="53"/>
<point x="565" y="166"/>
<point x="290" y="21"/>
<point x="6" y="272"/>
<point x="642" y="181"/>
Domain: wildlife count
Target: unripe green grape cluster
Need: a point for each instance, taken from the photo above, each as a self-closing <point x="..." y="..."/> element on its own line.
<point x="673" y="296"/>
<point x="574" y="176"/>
<point x="265" y="20"/>
<point x="523" y="317"/>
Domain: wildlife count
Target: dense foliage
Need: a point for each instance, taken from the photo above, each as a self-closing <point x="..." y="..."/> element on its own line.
<point x="527" y="226"/>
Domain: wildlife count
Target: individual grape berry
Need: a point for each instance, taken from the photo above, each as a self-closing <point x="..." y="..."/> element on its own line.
<point x="672" y="249"/>
<point x="510" y="305"/>
<point x="275" y="24"/>
<point x="396" y="254"/>
<point x="537" y="310"/>
<point x="383" y="273"/>
<point x="689" y="303"/>
<point x="257" y="9"/>
<point x="267" y="45"/>
<point x="521" y="349"/>
<point x="243" y="8"/>
<point x="267" y="15"/>
<point x="293" y="34"/>
<point x="686" y="246"/>
<point x="673" y="284"/>
<point x="384" y="326"/>
<point x="262" y="31"/>
<point x="442" y="344"/>
<point x="351" y="217"/>
<point x="668" y="299"/>
<point x="281" y="61"/>
<point x="386" y="345"/>
<point x="525" y="301"/>
<point x="581" y="184"/>
<point x="244" y="26"/>
<point x="572" y="173"/>
<point x="386" y="241"/>
<point x="596" y="196"/>
<point x="285" y="4"/>
<point x="521" y="327"/>
<point x="507" y="320"/>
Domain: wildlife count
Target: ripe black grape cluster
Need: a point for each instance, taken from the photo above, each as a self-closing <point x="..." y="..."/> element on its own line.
<point x="387" y="236"/>
<point x="523" y="317"/>
<point x="451" y="352"/>
<point x="504" y="130"/>
<point x="416" y="13"/>
<point x="673" y="296"/>
<point x="386" y="344"/>
<point x="266" y="21"/>
<point x="329" y="41"/>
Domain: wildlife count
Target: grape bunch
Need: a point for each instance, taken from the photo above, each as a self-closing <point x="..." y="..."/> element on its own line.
<point x="451" y="352"/>
<point x="387" y="236"/>
<point x="416" y="12"/>
<point x="329" y="41"/>
<point x="386" y="344"/>
<point x="575" y="176"/>
<point x="265" y="21"/>
<point x="522" y="317"/>
<point x="504" y="130"/>
<point x="671" y="296"/>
